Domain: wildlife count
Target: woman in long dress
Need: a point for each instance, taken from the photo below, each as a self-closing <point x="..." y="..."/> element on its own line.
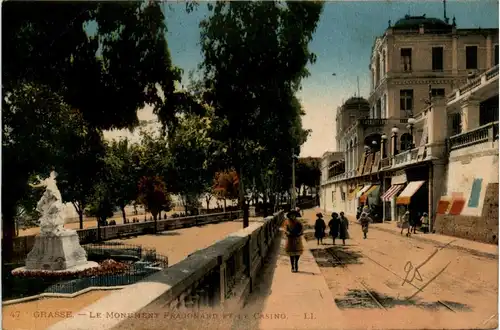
<point x="319" y="228"/>
<point x="294" y="247"/>
<point x="343" y="228"/>
<point x="334" y="226"/>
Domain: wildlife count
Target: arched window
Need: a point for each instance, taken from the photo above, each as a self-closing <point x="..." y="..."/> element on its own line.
<point x="406" y="141"/>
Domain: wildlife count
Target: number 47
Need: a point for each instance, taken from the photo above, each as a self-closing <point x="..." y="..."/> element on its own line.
<point x="15" y="314"/>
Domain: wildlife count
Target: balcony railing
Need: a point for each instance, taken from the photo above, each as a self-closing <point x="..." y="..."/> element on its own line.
<point x="485" y="133"/>
<point x="380" y="121"/>
<point x="482" y="79"/>
<point x="406" y="157"/>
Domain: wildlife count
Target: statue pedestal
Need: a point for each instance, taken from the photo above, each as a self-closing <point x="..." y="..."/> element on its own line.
<point x="58" y="251"/>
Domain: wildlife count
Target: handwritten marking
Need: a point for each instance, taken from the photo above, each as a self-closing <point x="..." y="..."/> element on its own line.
<point x="492" y="316"/>
<point x="416" y="274"/>
<point x="429" y="282"/>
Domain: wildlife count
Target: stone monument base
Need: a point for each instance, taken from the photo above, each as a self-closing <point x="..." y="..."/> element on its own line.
<point x="53" y="252"/>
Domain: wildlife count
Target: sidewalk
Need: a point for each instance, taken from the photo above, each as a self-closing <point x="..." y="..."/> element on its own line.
<point x="286" y="300"/>
<point x="476" y="248"/>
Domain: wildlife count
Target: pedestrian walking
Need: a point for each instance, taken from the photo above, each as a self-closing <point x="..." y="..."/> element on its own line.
<point x="299" y="211"/>
<point x="365" y="221"/>
<point x="294" y="231"/>
<point x="319" y="228"/>
<point x="334" y="225"/>
<point x="405" y="223"/>
<point x="424" y="220"/>
<point x="343" y="228"/>
<point x="413" y="222"/>
<point x="359" y="211"/>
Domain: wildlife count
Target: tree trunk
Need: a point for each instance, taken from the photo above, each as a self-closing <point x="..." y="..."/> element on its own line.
<point x="154" y="213"/>
<point x="224" y="205"/>
<point x="123" y="214"/>
<point x="79" y="210"/>
<point x="243" y="204"/>
<point x="8" y="232"/>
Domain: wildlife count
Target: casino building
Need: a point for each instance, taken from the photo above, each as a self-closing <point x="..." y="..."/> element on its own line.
<point x="426" y="139"/>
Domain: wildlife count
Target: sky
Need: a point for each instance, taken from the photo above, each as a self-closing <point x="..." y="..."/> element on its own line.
<point x="342" y="44"/>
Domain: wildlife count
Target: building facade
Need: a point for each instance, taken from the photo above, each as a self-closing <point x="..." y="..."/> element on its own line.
<point x="433" y="88"/>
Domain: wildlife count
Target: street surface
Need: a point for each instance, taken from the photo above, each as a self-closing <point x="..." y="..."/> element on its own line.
<point x="366" y="280"/>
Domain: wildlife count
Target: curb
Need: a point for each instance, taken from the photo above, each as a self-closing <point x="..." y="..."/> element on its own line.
<point x="62" y="295"/>
<point x="430" y="240"/>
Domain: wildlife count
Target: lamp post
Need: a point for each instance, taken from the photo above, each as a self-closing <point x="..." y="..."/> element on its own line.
<point x="384" y="139"/>
<point x="293" y="182"/>
<point x="395" y="132"/>
<point x="411" y="123"/>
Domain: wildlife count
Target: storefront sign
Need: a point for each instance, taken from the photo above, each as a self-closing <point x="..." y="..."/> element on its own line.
<point x="399" y="178"/>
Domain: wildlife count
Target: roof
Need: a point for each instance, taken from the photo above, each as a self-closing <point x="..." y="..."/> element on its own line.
<point x="355" y="100"/>
<point x="414" y="22"/>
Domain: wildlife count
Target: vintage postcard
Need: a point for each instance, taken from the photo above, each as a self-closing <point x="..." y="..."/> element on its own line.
<point x="249" y="165"/>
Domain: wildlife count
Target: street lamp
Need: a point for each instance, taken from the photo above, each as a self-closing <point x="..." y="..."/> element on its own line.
<point x="411" y="123"/>
<point x="293" y="181"/>
<point x="395" y="132"/>
<point x="384" y="139"/>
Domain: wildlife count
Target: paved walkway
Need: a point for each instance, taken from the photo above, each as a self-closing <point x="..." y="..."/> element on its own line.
<point x="286" y="300"/>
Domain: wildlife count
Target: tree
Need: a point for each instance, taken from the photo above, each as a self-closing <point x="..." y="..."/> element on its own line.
<point x="32" y="146"/>
<point x="124" y="173"/>
<point x="153" y="194"/>
<point x="57" y="66"/>
<point x="226" y="185"/>
<point x="255" y="55"/>
<point x="190" y="149"/>
<point x="80" y="169"/>
<point x="106" y="59"/>
<point x="101" y="205"/>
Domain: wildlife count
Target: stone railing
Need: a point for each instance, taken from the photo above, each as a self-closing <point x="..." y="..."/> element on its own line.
<point x="219" y="277"/>
<point x="381" y="122"/>
<point x="488" y="132"/>
<point x="386" y="162"/>
<point x="405" y="158"/>
<point x="484" y="78"/>
<point x="24" y="244"/>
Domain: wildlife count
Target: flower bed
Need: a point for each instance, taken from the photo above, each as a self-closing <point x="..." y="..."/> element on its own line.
<point x="108" y="266"/>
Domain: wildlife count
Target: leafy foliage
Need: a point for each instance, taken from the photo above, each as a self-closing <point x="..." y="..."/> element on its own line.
<point x="255" y="55"/>
<point x="153" y="194"/>
<point x="124" y="172"/>
<point x="51" y="43"/>
<point x="226" y="184"/>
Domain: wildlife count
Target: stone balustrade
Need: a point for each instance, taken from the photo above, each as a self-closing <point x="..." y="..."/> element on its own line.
<point x="24" y="244"/>
<point x="488" y="132"/>
<point x="218" y="277"/>
<point x="483" y="79"/>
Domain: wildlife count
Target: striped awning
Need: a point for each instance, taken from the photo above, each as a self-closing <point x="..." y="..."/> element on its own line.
<point x="363" y="197"/>
<point x="393" y="190"/>
<point x="363" y="190"/>
<point x="410" y="190"/>
<point x="353" y="193"/>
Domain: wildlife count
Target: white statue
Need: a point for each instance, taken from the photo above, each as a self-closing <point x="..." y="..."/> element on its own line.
<point x="50" y="206"/>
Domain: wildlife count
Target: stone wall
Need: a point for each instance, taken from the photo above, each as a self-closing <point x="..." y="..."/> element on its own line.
<point x="24" y="244"/>
<point x="483" y="228"/>
<point x="467" y="164"/>
<point x="218" y="277"/>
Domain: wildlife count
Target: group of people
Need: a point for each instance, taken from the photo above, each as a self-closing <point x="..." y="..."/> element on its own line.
<point x="411" y="223"/>
<point x="338" y="226"/>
